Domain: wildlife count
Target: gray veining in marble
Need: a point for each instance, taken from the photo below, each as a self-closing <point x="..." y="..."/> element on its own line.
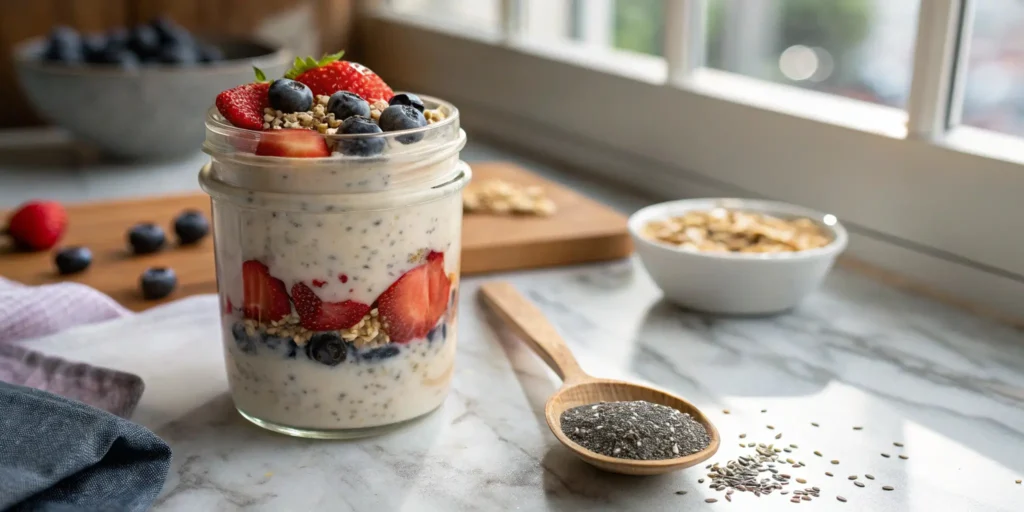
<point x="948" y="385"/>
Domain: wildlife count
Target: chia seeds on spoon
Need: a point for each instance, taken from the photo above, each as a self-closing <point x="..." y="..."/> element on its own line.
<point x="636" y="430"/>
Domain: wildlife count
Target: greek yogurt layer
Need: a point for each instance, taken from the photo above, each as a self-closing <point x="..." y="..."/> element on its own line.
<point x="338" y="319"/>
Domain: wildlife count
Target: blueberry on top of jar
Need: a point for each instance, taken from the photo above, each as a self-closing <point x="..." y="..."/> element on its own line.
<point x="362" y="146"/>
<point x="289" y="96"/>
<point x="345" y="104"/>
<point x="407" y="98"/>
<point x="403" y="117"/>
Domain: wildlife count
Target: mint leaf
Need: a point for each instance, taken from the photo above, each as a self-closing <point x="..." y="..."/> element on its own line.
<point x="260" y="75"/>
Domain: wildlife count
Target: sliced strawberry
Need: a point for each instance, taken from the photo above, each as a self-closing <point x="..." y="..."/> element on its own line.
<point x="330" y="75"/>
<point x="412" y="305"/>
<point x="243" y="106"/>
<point x="294" y="143"/>
<point x="38" y="225"/>
<point x="317" y="315"/>
<point x="440" y="284"/>
<point x="265" y="298"/>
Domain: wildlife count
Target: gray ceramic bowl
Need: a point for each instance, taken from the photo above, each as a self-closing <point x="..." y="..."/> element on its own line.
<point x="151" y="112"/>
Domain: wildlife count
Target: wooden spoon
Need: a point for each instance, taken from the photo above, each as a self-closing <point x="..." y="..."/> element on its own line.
<point x="579" y="388"/>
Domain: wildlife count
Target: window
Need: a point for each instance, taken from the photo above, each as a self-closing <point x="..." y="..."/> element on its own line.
<point x="860" y="49"/>
<point x="482" y="15"/>
<point x="629" y="25"/>
<point x="753" y="98"/>
<point x="993" y="96"/>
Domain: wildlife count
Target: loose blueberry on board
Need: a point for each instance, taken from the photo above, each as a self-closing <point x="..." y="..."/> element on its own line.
<point x="290" y="96"/>
<point x="191" y="226"/>
<point x="144" y="41"/>
<point x="157" y="282"/>
<point x="403" y="117"/>
<point x="246" y="343"/>
<point x="362" y="146"/>
<point x="327" y="348"/>
<point x="345" y="104"/>
<point x="407" y="98"/>
<point x="63" y="45"/>
<point x="72" y="260"/>
<point x="146" y="238"/>
<point x="285" y="347"/>
<point x="380" y="353"/>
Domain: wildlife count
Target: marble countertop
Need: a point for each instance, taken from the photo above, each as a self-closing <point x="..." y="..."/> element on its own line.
<point x="948" y="385"/>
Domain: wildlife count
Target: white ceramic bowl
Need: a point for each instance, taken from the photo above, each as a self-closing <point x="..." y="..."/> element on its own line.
<point x="735" y="283"/>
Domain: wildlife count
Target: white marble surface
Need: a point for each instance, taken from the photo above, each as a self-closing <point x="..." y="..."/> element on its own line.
<point x="948" y="385"/>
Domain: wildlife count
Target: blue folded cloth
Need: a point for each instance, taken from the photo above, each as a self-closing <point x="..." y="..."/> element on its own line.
<point x="58" y="454"/>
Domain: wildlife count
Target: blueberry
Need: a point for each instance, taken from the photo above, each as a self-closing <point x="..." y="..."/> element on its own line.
<point x="93" y="47"/>
<point x="191" y="226"/>
<point x="407" y="98"/>
<point x="344" y="104"/>
<point x="73" y="260"/>
<point x="285" y="347"/>
<point x="380" y="353"/>
<point x="209" y="53"/>
<point x="121" y="57"/>
<point x="177" y="54"/>
<point x="360" y="146"/>
<point x="117" y="39"/>
<point x="63" y="45"/>
<point x="144" y="41"/>
<point x="157" y="282"/>
<point x="246" y="343"/>
<point x="290" y="96"/>
<point x="146" y="238"/>
<point x="402" y="117"/>
<point x="168" y="32"/>
<point x="327" y="348"/>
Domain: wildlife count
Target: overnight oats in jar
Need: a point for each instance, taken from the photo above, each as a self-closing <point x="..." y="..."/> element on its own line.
<point x="337" y="222"/>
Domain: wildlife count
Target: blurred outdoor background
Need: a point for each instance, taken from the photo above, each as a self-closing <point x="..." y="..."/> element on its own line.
<point x="860" y="49"/>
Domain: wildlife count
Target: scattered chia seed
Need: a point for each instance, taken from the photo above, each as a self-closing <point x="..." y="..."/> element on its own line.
<point x="813" y="424"/>
<point x="840" y="498"/>
<point x="858" y="483"/>
<point x="898" y="444"/>
<point x="858" y="428"/>
<point x="904" y="457"/>
<point x="888" y="488"/>
<point x="828" y="474"/>
<point x="764" y="410"/>
<point x="886" y="455"/>
<point x="869" y="477"/>
<point x="637" y="430"/>
<point x="680" y="492"/>
<point x="725" y="411"/>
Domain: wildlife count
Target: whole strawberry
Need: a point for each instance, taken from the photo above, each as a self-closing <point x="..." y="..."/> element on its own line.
<point x="330" y="74"/>
<point x="243" y="106"/>
<point x="38" y="225"/>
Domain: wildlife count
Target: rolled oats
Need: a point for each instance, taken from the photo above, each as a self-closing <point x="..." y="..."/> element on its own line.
<point x="503" y="198"/>
<point x="721" y="230"/>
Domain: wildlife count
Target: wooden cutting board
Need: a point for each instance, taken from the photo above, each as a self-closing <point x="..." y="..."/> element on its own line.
<point x="581" y="231"/>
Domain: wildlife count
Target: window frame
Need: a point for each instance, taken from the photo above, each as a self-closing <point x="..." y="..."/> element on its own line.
<point x="930" y="200"/>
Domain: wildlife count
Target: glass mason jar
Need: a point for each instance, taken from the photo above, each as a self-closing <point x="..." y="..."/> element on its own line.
<point x="338" y="276"/>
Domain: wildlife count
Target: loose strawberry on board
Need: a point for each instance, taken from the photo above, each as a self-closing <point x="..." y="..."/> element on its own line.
<point x="317" y="315"/>
<point x="38" y="225"/>
<point x="265" y="298"/>
<point x="330" y="74"/>
<point x="412" y="305"/>
<point x="294" y="143"/>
